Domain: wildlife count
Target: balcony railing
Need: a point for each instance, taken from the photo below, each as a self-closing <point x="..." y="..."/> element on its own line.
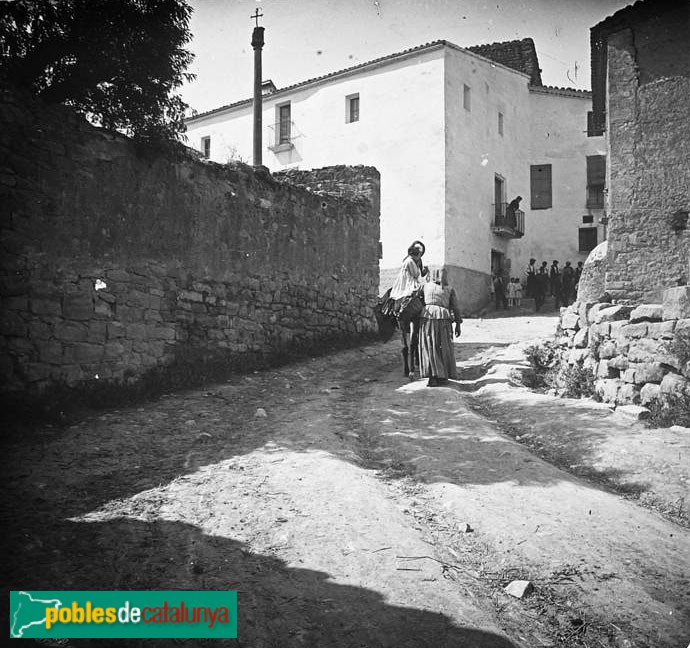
<point x="507" y="222"/>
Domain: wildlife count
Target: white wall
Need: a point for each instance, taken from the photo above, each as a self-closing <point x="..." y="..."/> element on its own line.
<point x="476" y="152"/>
<point x="400" y="132"/>
<point x="558" y="137"/>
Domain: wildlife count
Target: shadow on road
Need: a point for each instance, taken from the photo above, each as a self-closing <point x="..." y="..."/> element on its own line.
<point x="277" y="605"/>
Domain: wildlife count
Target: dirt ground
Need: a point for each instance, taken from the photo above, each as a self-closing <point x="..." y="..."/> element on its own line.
<point x="350" y="507"/>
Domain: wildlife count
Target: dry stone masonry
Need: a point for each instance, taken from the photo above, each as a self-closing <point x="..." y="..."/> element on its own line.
<point x="637" y="353"/>
<point x="118" y="260"/>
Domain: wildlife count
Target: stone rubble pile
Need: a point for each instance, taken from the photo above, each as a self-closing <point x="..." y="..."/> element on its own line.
<point x="636" y="353"/>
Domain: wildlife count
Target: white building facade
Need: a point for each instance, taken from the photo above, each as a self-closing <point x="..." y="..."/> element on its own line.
<point x="455" y="136"/>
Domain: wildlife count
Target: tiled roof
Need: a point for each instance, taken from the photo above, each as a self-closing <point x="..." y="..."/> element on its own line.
<point x="519" y="55"/>
<point x="564" y="92"/>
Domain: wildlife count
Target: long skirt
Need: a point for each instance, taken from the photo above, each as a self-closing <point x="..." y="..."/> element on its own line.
<point x="436" y="352"/>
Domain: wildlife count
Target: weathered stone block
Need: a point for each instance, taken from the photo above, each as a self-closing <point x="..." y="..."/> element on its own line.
<point x="136" y="331"/>
<point x="570" y="321"/>
<point x="633" y="412"/>
<point x="607" y="349"/>
<point x="594" y="311"/>
<point x="113" y="350"/>
<point x="115" y="330"/>
<point x="580" y="339"/>
<point x="604" y="370"/>
<point x="71" y="332"/>
<point x="583" y="309"/>
<point x="612" y="314"/>
<point x="45" y="306"/>
<point x="103" y="309"/>
<point x="649" y="372"/>
<point x="12" y="324"/>
<point x="607" y="389"/>
<point x="661" y="330"/>
<point x="628" y="375"/>
<point x="649" y="392"/>
<point x="83" y="352"/>
<point x="682" y="327"/>
<point x="647" y="312"/>
<point x="676" y="303"/>
<point x="50" y="351"/>
<point x="576" y="356"/>
<point x="628" y="393"/>
<point x="619" y="362"/>
<point x="674" y="384"/>
<point x="601" y="330"/>
<point x="36" y="371"/>
<point x="645" y="350"/>
<point x="633" y="331"/>
<point x="77" y="307"/>
<point x="107" y="297"/>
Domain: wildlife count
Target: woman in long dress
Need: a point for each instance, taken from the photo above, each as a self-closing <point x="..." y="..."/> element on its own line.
<point x="441" y="310"/>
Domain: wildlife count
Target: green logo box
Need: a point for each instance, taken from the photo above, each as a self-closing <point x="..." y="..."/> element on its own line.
<point x="176" y="614"/>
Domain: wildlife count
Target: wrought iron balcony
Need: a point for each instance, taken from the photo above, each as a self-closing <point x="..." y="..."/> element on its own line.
<point x="507" y="222"/>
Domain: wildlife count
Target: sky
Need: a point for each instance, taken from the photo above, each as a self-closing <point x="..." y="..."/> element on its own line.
<point x="310" y="38"/>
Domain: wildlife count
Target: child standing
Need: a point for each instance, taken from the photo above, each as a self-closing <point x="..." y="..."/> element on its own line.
<point x="511" y="292"/>
<point x="518" y="292"/>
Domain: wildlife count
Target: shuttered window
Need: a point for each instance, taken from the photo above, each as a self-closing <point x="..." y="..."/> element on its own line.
<point x="540" y="186"/>
<point x="596" y="179"/>
<point x="284" y="124"/>
<point x="587" y="239"/>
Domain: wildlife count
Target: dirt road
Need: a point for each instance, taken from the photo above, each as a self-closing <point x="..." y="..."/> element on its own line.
<point x="352" y="508"/>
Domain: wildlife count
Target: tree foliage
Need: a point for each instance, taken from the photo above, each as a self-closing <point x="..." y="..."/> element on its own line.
<point x="117" y="61"/>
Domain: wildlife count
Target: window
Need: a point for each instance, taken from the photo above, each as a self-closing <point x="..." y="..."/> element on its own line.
<point x="284" y="124"/>
<point x="352" y="108"/>
<point x="206" y="147"/>
<point x="500" y="123"/>
<point x="540" y="186"/>
<point x="587" y="239"/>
<point x="596" y="178"/>
<point x="499" y="196"/>
<point x="588" y="219"/>
<point x="466" y="97"/>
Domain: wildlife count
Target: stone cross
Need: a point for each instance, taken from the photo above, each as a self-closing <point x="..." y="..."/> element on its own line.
<point x="256" y="15"/>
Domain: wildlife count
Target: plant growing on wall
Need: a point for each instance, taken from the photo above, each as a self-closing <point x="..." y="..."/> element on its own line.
<point x="117" y="61"/>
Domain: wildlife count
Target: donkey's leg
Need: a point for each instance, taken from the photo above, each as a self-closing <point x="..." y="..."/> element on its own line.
<point x="404" y="332"/>
<point x="414" y="344"/>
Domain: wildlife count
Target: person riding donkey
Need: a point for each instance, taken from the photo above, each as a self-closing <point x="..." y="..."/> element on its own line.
<point x="405" y="303"/>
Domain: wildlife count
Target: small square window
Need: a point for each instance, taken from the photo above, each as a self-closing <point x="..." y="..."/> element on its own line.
<point x="466" y="97"/>
<point x="352" y="108"/>
<point x="587" y="219"/>
<point x="500" y="123"/>
<point x="206" y="147"/>
<point x="587" y="239"/>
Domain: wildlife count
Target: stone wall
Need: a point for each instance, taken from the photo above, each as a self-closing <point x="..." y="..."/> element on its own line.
<point x="649" y="148"/>
<point x="118" y="260"/>
<point x="636" y="353"/>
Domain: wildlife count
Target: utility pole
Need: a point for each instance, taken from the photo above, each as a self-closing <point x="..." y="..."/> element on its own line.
<point x="257" y="44"/>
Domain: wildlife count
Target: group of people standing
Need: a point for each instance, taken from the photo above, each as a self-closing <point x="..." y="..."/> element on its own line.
<point x="426" y="303"/>
<point x="539" y="281"/>
<point x="560" y="283"/>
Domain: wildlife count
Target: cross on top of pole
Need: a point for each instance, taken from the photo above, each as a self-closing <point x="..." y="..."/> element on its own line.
<point x="256" y="15"/>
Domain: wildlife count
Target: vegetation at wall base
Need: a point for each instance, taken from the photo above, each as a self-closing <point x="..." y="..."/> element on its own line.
<point x="117" y="62"/>
<point x="540" y="374"/>
<point x="668" y="410"/>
